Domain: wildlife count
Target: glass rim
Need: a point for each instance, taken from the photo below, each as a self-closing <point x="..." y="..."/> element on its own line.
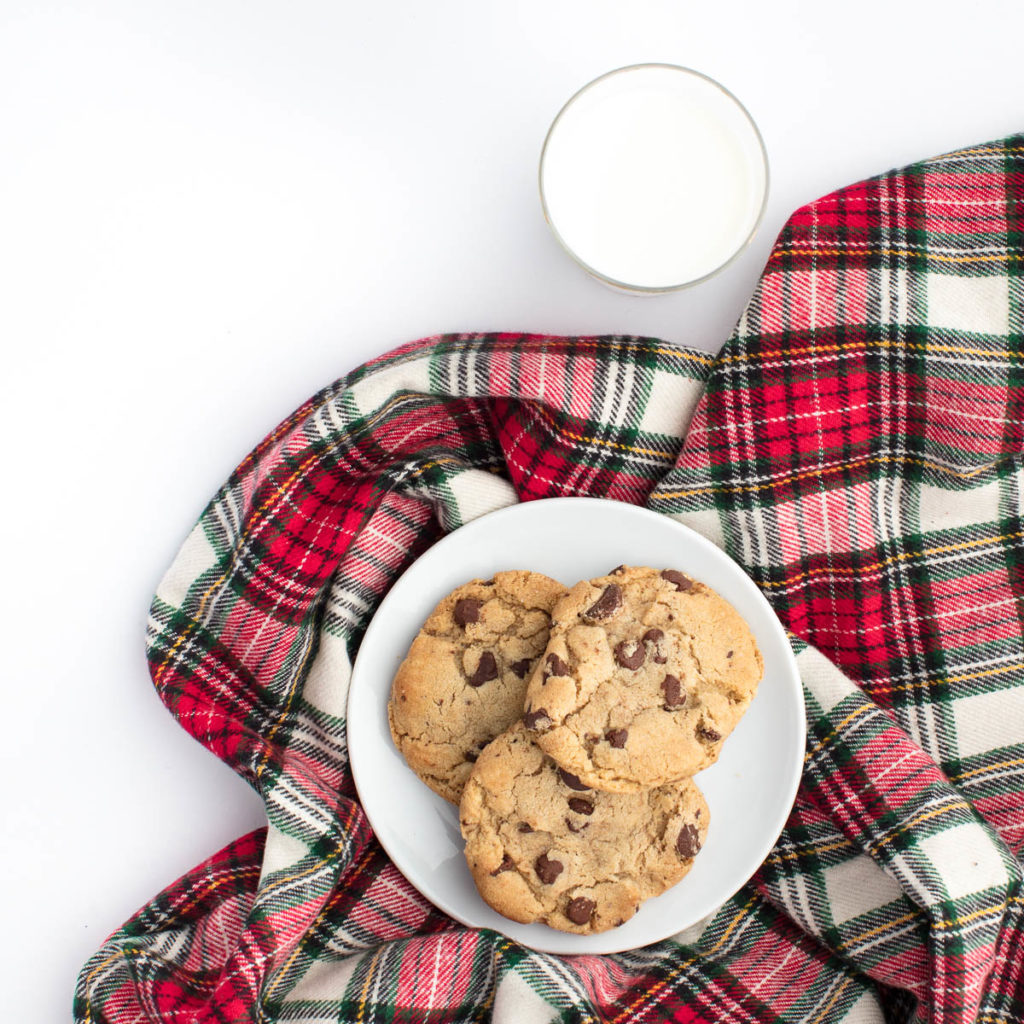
<point x="654" y="289"/>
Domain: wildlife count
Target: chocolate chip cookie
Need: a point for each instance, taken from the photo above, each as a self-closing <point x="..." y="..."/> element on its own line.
<point x="464" y="678"/>
<point x="645" y="674"/>
<point x="542" y="846"/>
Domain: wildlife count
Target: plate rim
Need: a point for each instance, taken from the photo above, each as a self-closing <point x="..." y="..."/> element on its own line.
<point x="774" y="623"/>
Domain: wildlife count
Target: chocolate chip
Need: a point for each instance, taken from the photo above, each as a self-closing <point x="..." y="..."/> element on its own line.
<point x="617" y="737"/>
<point x="654" y="638"/>
<point x="681" y="580"/>
<point x="471" y="756"/>
<point x="538" y="720"/>
<point x="572" y="781"/>
<point x="507" y="864"/>
<point x="467" y="610"/>
<point x="617" y="571"/>
<point x="630" y="654"/>
<point x="547" y="870"/>
<point x="580" y="806"/>
<point x="729" y="654"/>
<point x="675" y="695"/>
<point x="520" y="668"/>
<point x="554" y="666"/>
<point x="525" y="827"/>
<point x="606" y="605"/>
<point x="486" y="670"/>
<point x="572" y="828"/>
<point x="705" y="732"/>
<point x="688" y="842"/>
<point x="579" y="910"/>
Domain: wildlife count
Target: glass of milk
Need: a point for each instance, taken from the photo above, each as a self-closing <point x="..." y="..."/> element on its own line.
<point x="653" y="177"/>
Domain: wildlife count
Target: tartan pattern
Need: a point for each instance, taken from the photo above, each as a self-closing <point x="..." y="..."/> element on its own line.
<point x="855" y="446"/>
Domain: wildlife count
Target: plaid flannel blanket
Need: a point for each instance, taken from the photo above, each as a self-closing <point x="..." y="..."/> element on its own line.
<point x="856" y="446"/>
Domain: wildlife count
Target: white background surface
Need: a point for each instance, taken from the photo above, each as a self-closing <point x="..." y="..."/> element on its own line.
<point x="211" y="208"/>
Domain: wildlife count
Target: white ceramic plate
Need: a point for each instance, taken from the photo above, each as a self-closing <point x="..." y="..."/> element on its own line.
<point x="749" y="791"/>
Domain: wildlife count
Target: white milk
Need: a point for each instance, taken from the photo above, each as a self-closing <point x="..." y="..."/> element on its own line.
<point x="653" y="177"/>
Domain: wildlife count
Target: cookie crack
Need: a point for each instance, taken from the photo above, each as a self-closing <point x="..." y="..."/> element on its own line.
<point x="696" y="660"/>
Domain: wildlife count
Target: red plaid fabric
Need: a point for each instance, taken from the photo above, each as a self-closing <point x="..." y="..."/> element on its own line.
<point x="856" y="446"/>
